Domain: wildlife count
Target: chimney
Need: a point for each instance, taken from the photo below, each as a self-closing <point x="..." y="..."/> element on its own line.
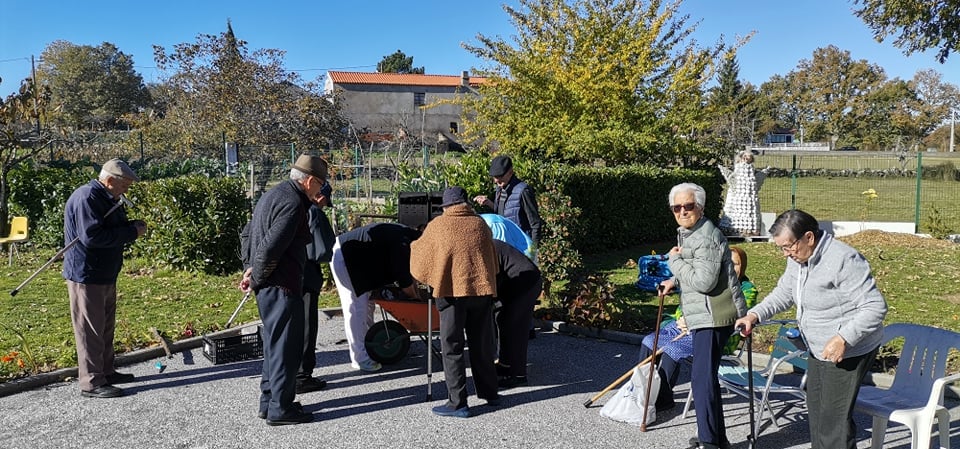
<point x="465" y="79"/>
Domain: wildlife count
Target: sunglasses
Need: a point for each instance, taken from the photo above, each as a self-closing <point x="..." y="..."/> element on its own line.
<point x="689" y="207"/>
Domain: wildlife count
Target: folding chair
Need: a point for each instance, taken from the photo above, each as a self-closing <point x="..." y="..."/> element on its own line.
<point x="771" y="379"/>
<point x="18" y="234"/>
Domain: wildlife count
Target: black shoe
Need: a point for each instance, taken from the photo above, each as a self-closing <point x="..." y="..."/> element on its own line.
<point x="532" y="334"/>
<point x="502" y="371"/>
<point x="665" y="406"/>
<point x="297" y="407"/>
<point x="103" y="391"/>
<point x="291" y="418"/>
<point x="508" y="382"/>
<point x="296" y="415"/>
<point x="309" y="384"/>
<point x="493" y="402"/>
<point x="120" y="378"/>
<point x="696" y="444"/>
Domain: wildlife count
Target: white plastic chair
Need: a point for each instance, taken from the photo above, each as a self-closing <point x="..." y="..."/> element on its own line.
<point x="915" y="398"/>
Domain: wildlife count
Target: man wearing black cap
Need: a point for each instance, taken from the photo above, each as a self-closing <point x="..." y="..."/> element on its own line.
<point x="455" y="256"/>
<point x="274" y="254"/>
<point x="93" y="216"/>
<point x="513" y="198"/>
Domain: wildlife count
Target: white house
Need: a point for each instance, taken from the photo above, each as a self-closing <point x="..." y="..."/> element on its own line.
<point x="386" y="103"/>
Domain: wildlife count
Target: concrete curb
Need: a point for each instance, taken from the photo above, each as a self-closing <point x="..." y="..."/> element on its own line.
<point x="155" y="352"/>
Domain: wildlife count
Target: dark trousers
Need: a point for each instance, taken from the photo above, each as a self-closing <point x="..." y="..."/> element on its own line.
<point x="473" y="314"/>
<point x="513" y="322"/>
<point x="311" y="302"/>
<point x="283" y="323"/>
<point x="669" y="370"/>
<point x="707" y="351"/>
<point x="832" y="390"/>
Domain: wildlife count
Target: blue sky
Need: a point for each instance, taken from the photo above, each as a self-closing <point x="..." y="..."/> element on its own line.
<point x="355" y="35"/>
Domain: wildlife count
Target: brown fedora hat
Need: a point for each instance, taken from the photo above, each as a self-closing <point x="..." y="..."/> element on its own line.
<point x="312" y="165"/>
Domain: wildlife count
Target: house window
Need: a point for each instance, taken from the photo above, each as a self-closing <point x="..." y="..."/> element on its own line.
<point x="419" y="98"/>
<point x="453" y="127"/>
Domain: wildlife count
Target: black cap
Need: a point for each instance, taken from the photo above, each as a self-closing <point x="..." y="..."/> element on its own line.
<point x="454" y="195"/>
<point x="499" y="166"/>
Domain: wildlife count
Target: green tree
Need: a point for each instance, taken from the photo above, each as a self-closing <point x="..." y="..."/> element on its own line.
<point x="827" y="94"/>
<point x="216" y="86"/>
<point x="918" y="25"/>
<point x="732" y="106"/>
<point x="398" y="62"/>
<point x="617" y="80"/>
<point x="91" y="87"/>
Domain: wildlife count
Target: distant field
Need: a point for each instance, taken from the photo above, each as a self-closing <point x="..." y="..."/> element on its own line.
<point x="841" y="198"/>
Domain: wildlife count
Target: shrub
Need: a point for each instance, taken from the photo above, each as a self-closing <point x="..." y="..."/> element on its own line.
<point x="39" y="193"/>
<point x="193" y="222"/>
<point x="589" y="301"/>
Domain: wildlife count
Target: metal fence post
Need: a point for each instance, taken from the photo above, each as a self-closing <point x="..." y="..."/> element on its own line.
<point x="916" y="211"/>
<point x="793" y="183"/>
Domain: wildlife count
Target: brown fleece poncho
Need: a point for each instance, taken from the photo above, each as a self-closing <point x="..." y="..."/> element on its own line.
<point x="455" y="255"/>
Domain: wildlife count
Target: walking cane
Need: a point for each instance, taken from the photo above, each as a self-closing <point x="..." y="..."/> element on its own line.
<point x="624" y="377"/>
<point x="235" y="312"/>
<point x="752" y="438"/>
<point x="123" y="201"/>
<point x="430" y="348"/>
<point x="653" y="366"/>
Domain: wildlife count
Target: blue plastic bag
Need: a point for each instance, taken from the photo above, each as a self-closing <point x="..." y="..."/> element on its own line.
<point x="653" y="270"/>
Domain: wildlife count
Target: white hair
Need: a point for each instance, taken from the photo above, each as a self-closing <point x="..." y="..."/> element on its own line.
<point x="699" y="195"/>
<point x="104" y="175"/>
<point x="297" y="175"/>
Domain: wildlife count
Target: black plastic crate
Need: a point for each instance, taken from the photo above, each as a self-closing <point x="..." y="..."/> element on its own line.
<point x="235" y="348"/>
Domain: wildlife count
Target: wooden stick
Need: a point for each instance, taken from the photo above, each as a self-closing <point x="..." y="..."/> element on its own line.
<point x="621" y="379"/>
<point x="163" y="342"/>
<point x="656" y="338"/>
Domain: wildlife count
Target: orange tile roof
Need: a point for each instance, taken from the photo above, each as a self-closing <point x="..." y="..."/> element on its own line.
<point x="403" y="79"/>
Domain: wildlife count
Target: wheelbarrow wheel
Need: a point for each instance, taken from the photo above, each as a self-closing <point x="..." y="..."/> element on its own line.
<point x="387" y="342"/>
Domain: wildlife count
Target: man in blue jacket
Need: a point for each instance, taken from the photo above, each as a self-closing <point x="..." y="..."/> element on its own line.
<point x="513" y="198"/>
<point x="95" y="218"/>
<point x="275" y="256"/>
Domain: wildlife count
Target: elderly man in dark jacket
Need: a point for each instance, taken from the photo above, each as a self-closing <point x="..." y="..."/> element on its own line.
<point x="519" y="283"/>
<point x="95" y="218"/>
<point x="276" y="253"/>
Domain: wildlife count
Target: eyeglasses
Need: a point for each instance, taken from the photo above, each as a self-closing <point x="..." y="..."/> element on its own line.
<point x="689" y="207"/>
<point x="788" y="248"/>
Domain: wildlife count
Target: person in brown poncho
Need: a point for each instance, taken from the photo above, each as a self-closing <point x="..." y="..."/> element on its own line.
<point x="455" y="256"/>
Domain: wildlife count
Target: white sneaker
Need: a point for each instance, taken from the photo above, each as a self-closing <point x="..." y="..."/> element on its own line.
<point x="368" y="365"/>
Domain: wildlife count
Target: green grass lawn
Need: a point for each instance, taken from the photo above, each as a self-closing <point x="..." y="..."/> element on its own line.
<point x="918" y="277"/>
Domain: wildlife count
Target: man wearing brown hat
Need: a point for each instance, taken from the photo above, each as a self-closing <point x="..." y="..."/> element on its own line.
<point x="95" y="218"/>
<point x="274" y="257"/>
<point x="455" y="256"/>
<point x="513" y="198"/>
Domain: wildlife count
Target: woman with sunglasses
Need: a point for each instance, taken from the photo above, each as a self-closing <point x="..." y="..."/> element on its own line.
<point x="840" y="313"/>
<point x="711" y="300"/>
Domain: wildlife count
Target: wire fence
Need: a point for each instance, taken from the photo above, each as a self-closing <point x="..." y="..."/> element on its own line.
<point x="918" y="188"/>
